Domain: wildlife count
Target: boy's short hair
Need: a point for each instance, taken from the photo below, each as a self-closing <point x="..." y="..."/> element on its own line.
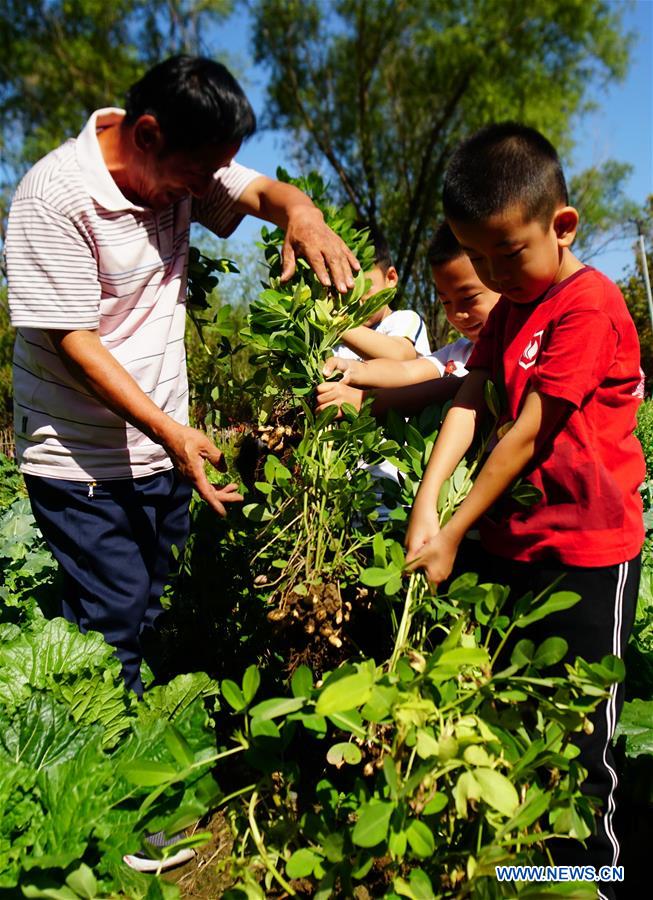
<point x="444" y="246"/>
<point x="382" y="255"/>
<point x="502" y="166"/>
<point x="196" y="102"/>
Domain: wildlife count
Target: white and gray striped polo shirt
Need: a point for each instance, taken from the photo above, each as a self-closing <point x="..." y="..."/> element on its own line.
<point x="81" y="256"/>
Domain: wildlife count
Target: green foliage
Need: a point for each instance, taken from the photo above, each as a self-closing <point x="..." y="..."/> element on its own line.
<point x="380" y="92"/>
<point x="11" y="482"/>
<point x="28" y="569"/>
<point x="217" y="363"/>
<point x="645" y="434"/>
<point x="293" y="327"/>
<point x="634" y="291"/>
<point x="61" y="59"/>
<point x="85" y="770"/>
<point x="6" y="353"/>
<point x="636" y="725"/>
<point x="598" y="194"/>
<point x="316" y="507"/>
<point x="437" y="767"/>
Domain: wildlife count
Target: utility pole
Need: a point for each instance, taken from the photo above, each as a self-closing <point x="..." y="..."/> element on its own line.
<point x="647" y="280"/>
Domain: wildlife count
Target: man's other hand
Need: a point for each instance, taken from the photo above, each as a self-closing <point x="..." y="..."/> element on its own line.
<point x="189" y="449"/>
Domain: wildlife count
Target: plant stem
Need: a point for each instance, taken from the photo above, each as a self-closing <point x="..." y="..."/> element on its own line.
<point x="406" y="618"/>
<point x="260" y="846"/>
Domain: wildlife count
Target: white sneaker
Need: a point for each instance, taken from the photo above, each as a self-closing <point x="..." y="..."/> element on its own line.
<point x="142" y="863"/>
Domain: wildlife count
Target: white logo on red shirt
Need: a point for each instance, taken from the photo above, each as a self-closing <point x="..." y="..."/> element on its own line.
<point x="532" y="351"/>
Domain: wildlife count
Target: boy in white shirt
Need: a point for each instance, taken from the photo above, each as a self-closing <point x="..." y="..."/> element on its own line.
<point x="389" y="334"/>
<point x="466" y="302"/>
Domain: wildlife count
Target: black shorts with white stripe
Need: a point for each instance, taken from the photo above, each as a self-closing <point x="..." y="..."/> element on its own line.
<point x="599" y="624"/>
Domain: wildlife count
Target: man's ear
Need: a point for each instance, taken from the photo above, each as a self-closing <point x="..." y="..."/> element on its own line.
<point x="147" y="135"/>
<point x="391" y="277"/>
<point x="565" y="225"/>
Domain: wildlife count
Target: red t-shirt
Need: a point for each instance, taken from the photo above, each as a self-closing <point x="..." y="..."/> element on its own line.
<point x="577" y="343"/>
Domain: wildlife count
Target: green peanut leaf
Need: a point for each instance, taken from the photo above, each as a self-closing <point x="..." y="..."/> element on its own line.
<point x="301" y="682"/>
<point x="251" y="682"/>
<point x="348" y="693"/>
<point x="275" y="707"/>
<point x="555" y="603"/>
<point x="550" y="652"/>
<point x="373" y="822"/>
<point x="302" y="863"/>
<point x="497" y="791"/>
<point x="233" y="694"/>
<point x="147" y="773"/>
<point x="420" y="837"/>
<point x="342" y="753"/>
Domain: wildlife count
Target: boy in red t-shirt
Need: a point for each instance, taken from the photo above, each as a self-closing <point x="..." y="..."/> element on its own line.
<point x="562" y="343"/>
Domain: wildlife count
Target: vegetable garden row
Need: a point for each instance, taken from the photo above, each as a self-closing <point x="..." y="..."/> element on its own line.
<point x="351" y="734"/>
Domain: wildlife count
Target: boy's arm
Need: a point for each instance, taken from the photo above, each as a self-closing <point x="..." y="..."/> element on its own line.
<point x="454" y="439"/>
<point x="371" y="344"/>
<point x="540" y="415"/>
<point x="413" y="398"/>
<point x="406" y="400"/>
<point x="381" y="373"/>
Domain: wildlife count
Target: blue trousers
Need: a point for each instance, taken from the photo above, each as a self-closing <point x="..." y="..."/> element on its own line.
<point x="113" y="541"/>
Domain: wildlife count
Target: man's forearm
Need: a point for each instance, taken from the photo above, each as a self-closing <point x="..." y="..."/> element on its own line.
<point x="275" y="201"/>
<point x="91" y="363"/>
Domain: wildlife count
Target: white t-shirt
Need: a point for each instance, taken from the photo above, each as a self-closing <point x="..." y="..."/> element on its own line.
<point x="448" y="360"/>
<point x="82" y="256"/>
<point x="400" y="323"/>
<point x="452" y="358"/>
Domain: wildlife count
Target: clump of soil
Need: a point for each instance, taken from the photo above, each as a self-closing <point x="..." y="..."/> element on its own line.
<point x="280" y="437"/>
<point x="315" y="624"/>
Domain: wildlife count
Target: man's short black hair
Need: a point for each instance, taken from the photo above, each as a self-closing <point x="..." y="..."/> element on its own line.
<point x="196" y="102"/>
<point x="382" y="255"/>
<point x="444" y="246"/>
<point x="502" y="166"/>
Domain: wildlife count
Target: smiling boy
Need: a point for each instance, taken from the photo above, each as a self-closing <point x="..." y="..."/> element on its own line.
<point x="466" y="302"/>
<point x="563" y="345"/>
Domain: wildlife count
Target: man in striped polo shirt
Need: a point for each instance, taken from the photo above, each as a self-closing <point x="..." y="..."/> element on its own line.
<point x="97" y="254"/>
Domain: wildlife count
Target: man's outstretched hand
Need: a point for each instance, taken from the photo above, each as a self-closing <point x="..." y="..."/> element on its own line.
<point x="189" y="449"/>
<point x="308" y="236"/>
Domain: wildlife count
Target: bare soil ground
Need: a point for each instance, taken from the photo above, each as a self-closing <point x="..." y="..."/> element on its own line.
<point x="203" y="878"/>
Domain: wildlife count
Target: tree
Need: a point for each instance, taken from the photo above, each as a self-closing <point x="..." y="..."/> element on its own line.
<point x="633" y="289"/>
<point x="598" y="193"/>
<point x="61" y="59"/>
<point x="382" y="90"/>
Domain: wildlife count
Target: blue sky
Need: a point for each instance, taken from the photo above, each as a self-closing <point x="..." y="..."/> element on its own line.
<point x="620" y="128"/>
